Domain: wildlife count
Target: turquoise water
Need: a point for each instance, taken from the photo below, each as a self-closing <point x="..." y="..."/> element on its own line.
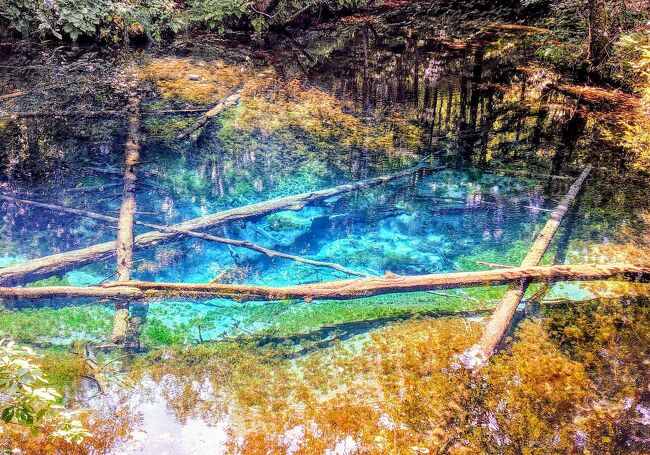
<point x="468" y="108"/>
<point x="411" y="226"/>
<point x="423" y="224"/>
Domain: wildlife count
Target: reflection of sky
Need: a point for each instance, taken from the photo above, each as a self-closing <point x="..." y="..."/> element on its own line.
<point x="160" y="432"/>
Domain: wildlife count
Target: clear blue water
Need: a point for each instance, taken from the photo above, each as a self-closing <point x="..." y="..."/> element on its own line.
<point x="423" y="224"/>
<point x="410" y="226"/>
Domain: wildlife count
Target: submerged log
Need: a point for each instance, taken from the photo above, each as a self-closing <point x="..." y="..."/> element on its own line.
<point x="92" y="188"/>
<point x="9" y="115"/>
<point x="475" y="357"/>
<point x="62" y="262"/>
<point x="19" y="93"/>
<point x="339" y="289"/>
<point x="12" y="95"/>
<point x="200" y="235"/>
<point x="216" y="110"/>
<point x="124" y="247"/>
<point x="500" y="320"/>
<point x="127" y="209"/>
<point x="59" y="208"/>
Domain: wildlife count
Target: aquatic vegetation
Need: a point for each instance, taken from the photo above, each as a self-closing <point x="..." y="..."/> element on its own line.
<point x="333" y="104"/>
<point x="511" y="256"/>
<point x="270" y="106"/>
<point x="158" y="332"/>
<point x="390" y="391"/>
<point x="324" y="117"/>
<point x="52" y="281"/>
<point x="166" y="130"/>
<point x="193" y="80"/>
<point x="57" y="325"/>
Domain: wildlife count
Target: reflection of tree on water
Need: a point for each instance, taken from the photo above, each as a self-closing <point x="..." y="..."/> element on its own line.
<point x="467" y="95"/>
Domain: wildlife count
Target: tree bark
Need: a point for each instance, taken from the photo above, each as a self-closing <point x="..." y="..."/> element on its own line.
<point x="598" y="33"/>
<point x="339" y="289"/>
<point x="124" y="247"/>
<point x="500" y="320"/>
<point x="59" y="263"/>
<point x="220" y="107"/>
<point x="9" y="115"/>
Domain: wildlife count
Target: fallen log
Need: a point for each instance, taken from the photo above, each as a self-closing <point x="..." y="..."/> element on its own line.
<point x="527" y="174"/>
<point x="211" y="238"/>
<point x="58" y="263"/>
<point x="260" y="249"/>
<point x="500" y="320"/>
<point x="124" y="247"/>
<point x="9" y="115"/>
<point x="127" y="209"/>
<point x="216" y="110"/>
<point x="80" y="113"/>
<point x="176" y="111"/>
<point x="493" y="265"/>
<point x="20" y="93"/>
<point x="104" y="170"/>
<point x="339" y="289"/>
<point x="92" y="188"/>
<point x="59" y="208"/>
<point x="476" y="356"/>
<point x="11" y="95"/>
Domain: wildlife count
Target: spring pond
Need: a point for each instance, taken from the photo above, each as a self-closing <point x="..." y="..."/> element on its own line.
<point x="342" y="103"/>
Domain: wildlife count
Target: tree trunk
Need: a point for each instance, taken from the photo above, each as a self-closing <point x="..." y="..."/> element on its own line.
<point x="200" y="235"/>
<point x="124" y="247"/>
<point x="339" y="289"/>
<point x="500" y="320"/>
<point x="598" y="33"/>
<point x="216" y="110"/>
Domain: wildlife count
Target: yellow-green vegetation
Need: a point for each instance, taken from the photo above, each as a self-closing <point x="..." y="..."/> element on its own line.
<point x="635" y="49"/>
<point x="51" y="281"/>
<point x="192" y="80"/>
<point x="559" y="387"/>
<point x="181" y="323"/>
<point x="270" y="105"/>
<point x="512" y="256"/>
<point x="166" y="129"/>
<point x="62" y="367"/>
<point x="56" y="325"/>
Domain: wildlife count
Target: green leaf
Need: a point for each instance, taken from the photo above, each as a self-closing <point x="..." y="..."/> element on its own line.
<point x="8" y="414"/>
<point x="40" y="414"/>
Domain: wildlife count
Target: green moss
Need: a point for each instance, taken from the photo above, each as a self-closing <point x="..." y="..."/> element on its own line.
<point x="286" y="221"/>
<point x="51" y="281"/>
<point x="165" y="129"/>
<point x="61" y="325"/>
<point x="298" y="318"/>
<point x="157" y="333"/>
<point x="511" y="256"/>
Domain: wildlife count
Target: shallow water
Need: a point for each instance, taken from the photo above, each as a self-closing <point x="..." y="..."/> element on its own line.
<point x="509" y="143"/>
